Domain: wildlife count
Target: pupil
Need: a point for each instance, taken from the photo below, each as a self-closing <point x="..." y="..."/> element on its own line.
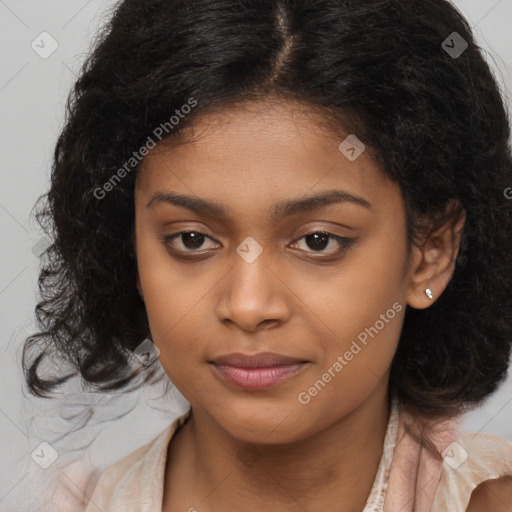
<point x="320" y="241"/>
<point x="193" y="240"/>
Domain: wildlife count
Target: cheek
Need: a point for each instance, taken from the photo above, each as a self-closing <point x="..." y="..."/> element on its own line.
<point x="174" y="299"/>
<point x="350" y="297"/>
<point x="362" y="303"/>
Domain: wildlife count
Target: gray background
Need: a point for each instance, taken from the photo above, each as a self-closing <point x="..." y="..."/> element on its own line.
<point x="33" y="91"/>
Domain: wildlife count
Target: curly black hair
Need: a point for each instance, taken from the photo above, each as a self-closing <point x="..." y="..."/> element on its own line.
<point x="406" y="76"/>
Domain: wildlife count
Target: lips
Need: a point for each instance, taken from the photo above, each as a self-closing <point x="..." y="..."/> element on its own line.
<point x="256" y="371"/>
<point x="261" y="360"/>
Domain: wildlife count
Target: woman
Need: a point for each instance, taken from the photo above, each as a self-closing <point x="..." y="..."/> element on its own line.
<point x="300" y="208"/>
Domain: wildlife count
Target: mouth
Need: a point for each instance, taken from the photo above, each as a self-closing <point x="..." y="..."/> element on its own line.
<point x="257" y="371"/>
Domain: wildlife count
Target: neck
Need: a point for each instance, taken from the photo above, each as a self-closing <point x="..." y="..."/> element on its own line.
<point x="336" y="466"/>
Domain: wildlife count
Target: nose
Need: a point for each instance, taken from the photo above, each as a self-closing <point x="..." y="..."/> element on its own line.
<point x="254" y="296"/>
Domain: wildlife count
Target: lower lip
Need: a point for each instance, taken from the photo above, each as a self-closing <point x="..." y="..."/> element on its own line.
<point x="257" y="378"/>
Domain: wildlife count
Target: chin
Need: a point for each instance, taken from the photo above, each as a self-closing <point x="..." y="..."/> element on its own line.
<point x="264" y="426"/>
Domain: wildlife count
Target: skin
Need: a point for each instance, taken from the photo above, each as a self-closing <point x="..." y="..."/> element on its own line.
<point x="495" y="495"/>
<point x="296" y="299"/>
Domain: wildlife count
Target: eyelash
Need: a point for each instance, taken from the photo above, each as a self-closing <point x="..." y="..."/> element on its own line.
<point x="344" y="242"/>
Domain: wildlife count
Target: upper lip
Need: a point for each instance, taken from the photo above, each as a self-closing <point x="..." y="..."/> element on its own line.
<point x="259" y="360"/>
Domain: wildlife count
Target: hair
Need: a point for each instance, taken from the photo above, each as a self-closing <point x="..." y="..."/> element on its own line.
<point x="436" y="124"/>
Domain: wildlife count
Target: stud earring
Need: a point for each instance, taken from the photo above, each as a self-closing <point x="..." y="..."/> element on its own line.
<point x="428" y="292"/>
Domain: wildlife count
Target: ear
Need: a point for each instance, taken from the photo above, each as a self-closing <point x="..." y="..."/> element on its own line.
<point x="433" y="261"/>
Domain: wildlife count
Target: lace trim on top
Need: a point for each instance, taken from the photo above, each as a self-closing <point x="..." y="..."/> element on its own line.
<point x="375" y="502"/>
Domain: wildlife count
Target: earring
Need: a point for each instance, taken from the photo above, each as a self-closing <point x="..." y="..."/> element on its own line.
<point x="428" y="292"/>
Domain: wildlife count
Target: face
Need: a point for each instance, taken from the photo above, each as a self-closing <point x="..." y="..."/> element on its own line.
<point x="250" y="266"/>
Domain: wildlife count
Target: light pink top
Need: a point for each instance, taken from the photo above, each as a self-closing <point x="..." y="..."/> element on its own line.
<point x="409" y="478"/>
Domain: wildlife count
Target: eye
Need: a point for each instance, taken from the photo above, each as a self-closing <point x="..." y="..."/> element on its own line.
<point x="193" y="241"/>
<point x="188" y="241"/>
<point x="320" y="240"/>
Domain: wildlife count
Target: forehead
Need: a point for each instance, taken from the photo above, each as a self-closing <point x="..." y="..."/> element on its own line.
<point x="257" y="154"/>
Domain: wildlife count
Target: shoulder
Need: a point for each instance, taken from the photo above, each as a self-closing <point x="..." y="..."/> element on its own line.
<point x="495" y="495"/>
<point x="121" y="480"/>
<point x="476" y="474"/>
<point x="136" y="477"/>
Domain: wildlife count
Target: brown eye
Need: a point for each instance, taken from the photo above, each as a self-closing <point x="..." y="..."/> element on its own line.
<point x="186" y="241"/>
<point x="318" y="241"/>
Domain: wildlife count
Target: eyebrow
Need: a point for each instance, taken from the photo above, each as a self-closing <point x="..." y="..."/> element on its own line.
<point x="280" y="210"/>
